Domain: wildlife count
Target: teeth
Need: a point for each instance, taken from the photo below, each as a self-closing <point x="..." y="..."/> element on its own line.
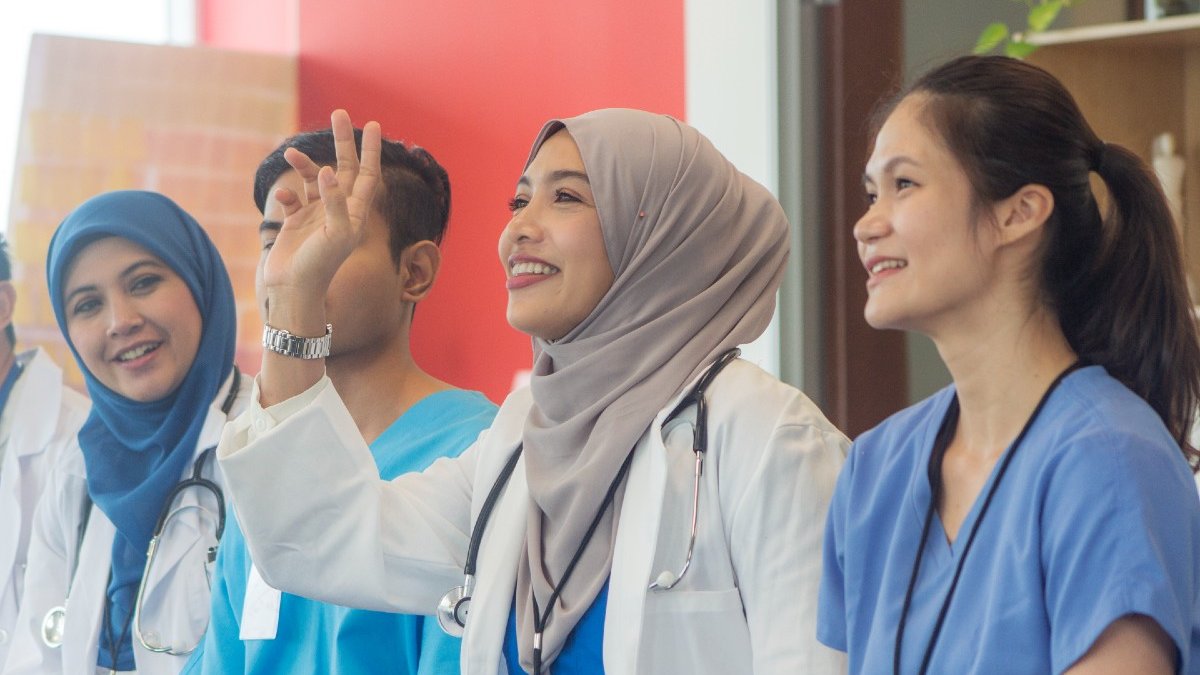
<point x="887" y="265"/>
<point x="532" y="268"/>
<point x="136" y="352"/>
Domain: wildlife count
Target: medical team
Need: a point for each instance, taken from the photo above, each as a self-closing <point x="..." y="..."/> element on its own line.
<point x="649" y="502"/>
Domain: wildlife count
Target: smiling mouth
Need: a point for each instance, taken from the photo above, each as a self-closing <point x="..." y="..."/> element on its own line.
<point x="527" y="268"/>
<point x="884" y="265"/>
<point x="137" y="352"/>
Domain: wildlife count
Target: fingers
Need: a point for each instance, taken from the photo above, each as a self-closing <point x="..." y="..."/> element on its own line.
<point x="344" y="147"/>
<point x="362" y="195"/>
<point x="307" y="169"/>
<point x="337" y="216"/>
<point x="289" y="200"/>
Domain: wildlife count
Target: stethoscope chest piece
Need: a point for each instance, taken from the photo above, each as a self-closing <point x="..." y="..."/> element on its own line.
<point x="52" y="627"/>
<point x="453" y="609"/>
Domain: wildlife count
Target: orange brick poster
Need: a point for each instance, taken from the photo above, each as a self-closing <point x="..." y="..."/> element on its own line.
<point x="189" y="122"/>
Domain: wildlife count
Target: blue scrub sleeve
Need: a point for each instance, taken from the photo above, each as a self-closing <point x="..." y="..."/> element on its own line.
<point x="831" y="600"/>
<point x="439" y="650"/>
<point x="1118" y="539"/>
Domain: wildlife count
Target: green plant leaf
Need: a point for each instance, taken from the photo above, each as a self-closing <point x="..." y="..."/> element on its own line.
<point x="1043" y="15"/>
<point x="1019" y="50"/>
<point x="991" y="37"/>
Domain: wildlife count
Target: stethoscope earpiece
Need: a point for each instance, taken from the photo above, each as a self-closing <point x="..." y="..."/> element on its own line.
<point x="664" y="581"/>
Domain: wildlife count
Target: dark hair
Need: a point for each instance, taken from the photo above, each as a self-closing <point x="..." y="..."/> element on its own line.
<point x="415" y="193"/>
<point x="1115" y="282"/>
<point x="6" y="275"/>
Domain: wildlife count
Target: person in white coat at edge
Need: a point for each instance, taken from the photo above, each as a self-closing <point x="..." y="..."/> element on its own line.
<point x="147" y="307"/>
<point x="636" y="256"/>
<point x="39" y="417"/>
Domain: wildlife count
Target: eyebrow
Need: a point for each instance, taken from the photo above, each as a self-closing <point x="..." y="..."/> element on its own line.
<point x="147" y="262"/>
<point x="558" y="174"/>
<point x="890" y="166"/>
<point x="270" y="226"/>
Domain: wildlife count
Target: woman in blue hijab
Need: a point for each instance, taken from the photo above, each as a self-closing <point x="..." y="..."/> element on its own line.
<point x="146" y="305"/>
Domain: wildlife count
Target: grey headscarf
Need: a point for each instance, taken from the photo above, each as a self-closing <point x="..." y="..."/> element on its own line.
<point x="697" y="251"/>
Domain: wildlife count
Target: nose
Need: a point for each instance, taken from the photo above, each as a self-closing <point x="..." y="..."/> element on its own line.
<point x="873" y="224"/>
<point x="123" y="317"/>
<point x="523" y="226"/>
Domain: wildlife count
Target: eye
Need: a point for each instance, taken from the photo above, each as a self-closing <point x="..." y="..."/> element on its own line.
<point x="84" y="306"/>
<point x="870" y="197"/>
<point x="145" y="283"/>
<point x="517" y="203"/>
<point x="565" y="196"/>
<point x="268" y="243"/>
<point x="903" y="183"/>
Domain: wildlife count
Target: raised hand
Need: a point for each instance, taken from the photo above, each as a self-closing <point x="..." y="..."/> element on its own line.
<point x="319" y="231"/>
<point x="323" y="226"/>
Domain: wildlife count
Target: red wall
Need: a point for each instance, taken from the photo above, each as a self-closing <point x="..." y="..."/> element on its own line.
<point x="472" y="82"/>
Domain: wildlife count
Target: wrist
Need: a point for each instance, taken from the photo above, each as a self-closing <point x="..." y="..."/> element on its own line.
<point x="285" y="343"/>
<point x="300" y="314"/>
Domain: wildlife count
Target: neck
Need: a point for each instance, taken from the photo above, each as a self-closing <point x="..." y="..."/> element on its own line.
<point x="1001" y="370"/>
<point x="379" y="382"/>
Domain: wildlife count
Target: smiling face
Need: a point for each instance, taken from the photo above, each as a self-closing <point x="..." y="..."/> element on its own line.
<point x="924" y="246"/>
<point x="555" y="263"/>
<point x="132" y="319"/>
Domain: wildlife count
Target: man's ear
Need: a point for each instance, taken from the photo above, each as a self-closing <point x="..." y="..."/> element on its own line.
<point x="8" y="303"/>
<point x="1024" y="213"/>
<point x="419" y="264"/>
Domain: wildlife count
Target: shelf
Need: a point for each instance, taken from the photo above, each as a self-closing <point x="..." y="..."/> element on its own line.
<point x="1134" y="80"/>
<point x="1169" y="32"/>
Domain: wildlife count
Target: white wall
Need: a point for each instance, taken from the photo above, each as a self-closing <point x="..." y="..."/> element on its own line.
<point x="731" y="97"/>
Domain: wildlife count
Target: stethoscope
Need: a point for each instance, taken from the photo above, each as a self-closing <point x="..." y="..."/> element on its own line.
<point x="455" y="605"/>
<point x="54" y="621"/>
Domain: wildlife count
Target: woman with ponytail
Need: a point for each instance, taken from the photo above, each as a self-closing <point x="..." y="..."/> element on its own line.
<point x="1038" y="515"/>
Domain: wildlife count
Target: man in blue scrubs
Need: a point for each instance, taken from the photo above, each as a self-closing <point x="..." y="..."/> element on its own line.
<point x="408" y="418"/>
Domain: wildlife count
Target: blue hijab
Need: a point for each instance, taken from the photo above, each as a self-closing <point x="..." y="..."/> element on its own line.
<point x="136" y="452"/>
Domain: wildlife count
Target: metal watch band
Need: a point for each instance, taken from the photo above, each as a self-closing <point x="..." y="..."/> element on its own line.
<point x="282" y="342"/>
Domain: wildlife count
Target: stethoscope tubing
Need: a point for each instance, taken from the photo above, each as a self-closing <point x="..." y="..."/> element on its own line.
<point x="451" y="611"/>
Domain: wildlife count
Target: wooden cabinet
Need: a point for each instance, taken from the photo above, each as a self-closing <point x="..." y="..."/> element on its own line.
<point x="1135" y="80"/>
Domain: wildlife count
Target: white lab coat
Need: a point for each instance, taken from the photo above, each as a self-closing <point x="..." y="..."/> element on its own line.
<point x="177" y="596"/>
<point x="40" y="420"/>
<point x="320" y="523"/>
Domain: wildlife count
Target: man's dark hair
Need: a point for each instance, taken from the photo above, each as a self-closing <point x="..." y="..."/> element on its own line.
<point x="6" y="275"/>
<point x="414" y="197"/>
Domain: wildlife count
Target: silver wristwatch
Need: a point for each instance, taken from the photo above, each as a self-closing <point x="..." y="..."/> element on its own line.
<point x="282" y="342"/>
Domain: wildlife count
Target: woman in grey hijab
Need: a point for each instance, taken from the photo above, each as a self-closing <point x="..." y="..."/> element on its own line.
<point x="637" y="256"/>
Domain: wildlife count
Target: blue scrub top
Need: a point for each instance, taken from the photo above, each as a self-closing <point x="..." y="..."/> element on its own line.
<point x="323" y="639"/>
<point x="582" y="653"/>
<point x="1097" y="518"/>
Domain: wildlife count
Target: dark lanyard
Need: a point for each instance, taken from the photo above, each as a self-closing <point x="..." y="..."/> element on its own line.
<point x="940" y="444"/>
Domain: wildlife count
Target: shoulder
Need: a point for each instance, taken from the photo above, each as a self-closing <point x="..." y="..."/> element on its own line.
<point x="1096" y="423"/>
<point x="891" y="448"/>
<point x="756" y="422"/>
<point x="750" y="398"/>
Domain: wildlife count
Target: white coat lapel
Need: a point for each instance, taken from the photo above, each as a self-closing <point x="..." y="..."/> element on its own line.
<point x="85" y="607"/>
<point x="633" y="553"/>
<point x="496" y="574"/>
